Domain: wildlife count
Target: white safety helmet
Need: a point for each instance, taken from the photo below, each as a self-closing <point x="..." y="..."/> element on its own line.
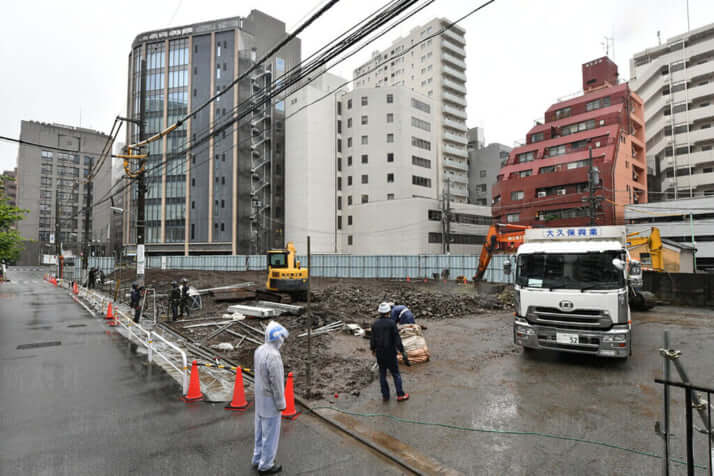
<point x="275" y="333"/>
<point x="384" y="308"/>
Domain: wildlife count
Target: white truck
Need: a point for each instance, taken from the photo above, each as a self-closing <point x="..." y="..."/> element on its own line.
<point x="571" y="290"/>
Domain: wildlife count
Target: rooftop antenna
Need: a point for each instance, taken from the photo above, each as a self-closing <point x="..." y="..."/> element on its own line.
<point x="687" y="16"/>
<point x="659" y="38"/>
<point x="606" y="45"/>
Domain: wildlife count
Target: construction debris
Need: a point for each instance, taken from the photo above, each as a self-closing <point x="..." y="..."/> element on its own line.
<point x="222" y="288"/>
<point x="285" y="308"/>
<point x="355" y="330"/>
<point x="254" y="311"/>
<point x="224" y="346"/>
<point x="335" y="326"/>
<point x="414" y="343"/>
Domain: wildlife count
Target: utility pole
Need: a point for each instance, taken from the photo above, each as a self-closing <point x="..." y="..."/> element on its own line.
<point x="446" y="219"/>
<point x="309" y="324"/>
<point x="58" y="245"/>
<point x="140" y="212"/>
<point x="87" y="215"/>
<point x="593" y="181"/>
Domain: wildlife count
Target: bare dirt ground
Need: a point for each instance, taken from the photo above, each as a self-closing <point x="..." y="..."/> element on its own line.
<point x="342" y="363"/>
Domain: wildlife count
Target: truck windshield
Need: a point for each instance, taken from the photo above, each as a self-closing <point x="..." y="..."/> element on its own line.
<point x="570" y="271"/>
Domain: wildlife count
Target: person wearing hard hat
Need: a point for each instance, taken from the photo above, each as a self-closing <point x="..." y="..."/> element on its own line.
<point x="269" y="398"/>
<point x="385" y="343"/>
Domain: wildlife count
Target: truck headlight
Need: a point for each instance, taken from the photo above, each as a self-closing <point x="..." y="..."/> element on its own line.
<point x="525" y="331"/>
<point x="615" y="338"/>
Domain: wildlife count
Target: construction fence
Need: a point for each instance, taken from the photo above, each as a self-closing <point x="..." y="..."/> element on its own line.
<point x="332" y="266"/>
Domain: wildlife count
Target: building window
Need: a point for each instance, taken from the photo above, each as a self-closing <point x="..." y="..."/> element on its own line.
<point x="364" y="140"/>
<point x="390" y="117"/>
<point x="339" y="127"/>
<point x="390" y="138"/>
<point x="418" y="123"/>
<point x="421" y="181"/>
<point x="339" y="106"/>
<point x="349" y="122"/>
<point x="339" y="164"/>
<point x="349" y="142"/>
<point x="525" y="157"/>
<point x="339" y="222"/>
<point x="390" y="178"/>
<point x="349" y="240"/>
<point x="365" y="178"/>
<point x="339" y="145"/>
<point x="349" y="104"/>
<point x="390" y="98"/>
<point x="363" y="120"/>
<point x="365" y="199"/>
<point x="537" y="137"/>
<point x="339" y="183"/>
<point x="513" y="217"/>
<point x="349" y="200"/>
<point x="390" y="196"/>
<point x="598" y="104"/>
<point x="364" y="100"/>
<point x="349" y="180"/>
<point x="349" y="161"/>
<point x="525" y="173"/>
<point x="482" y="173"/>
<point x="577" y="127"/>
<point x="517" y="195"/>
<point x="421" y="143"/>
<point x="422" y="106"/>
<point x="390" y="156"/>
<point x="349" y="220"/>
<point x="562" y="113"/>
<point x="421" y="162"/>
<point x="193" y="204"/>
<point x="365" y="158"/>
<point x="555" y="150"/>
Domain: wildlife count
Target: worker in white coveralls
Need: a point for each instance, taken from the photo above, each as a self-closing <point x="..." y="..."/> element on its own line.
<point x="269" y="398"/>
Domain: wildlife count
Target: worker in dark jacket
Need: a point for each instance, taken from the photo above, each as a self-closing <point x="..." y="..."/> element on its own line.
<point x="185" y="298"/>
<point x="402" y="315"/>
<point x="385" y="343"/>
<point x="174" y="300"/>
<point x="135" y="302"/>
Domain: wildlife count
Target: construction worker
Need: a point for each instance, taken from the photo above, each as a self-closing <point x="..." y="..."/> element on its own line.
<point x="135" y="302"/>
<point x="91" y="278"/>
<point x="401" y="314"/>
<point x="384" y="342"/>
<point x="269" y="398"/>
<point x="185" y="298"/>
<point x="174" y="300"/>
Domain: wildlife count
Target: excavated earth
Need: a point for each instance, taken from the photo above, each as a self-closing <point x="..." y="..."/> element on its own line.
<point x="342" y="364"/>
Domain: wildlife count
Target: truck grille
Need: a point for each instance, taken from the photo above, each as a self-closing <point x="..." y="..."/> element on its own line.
<point x="575" y="319"/>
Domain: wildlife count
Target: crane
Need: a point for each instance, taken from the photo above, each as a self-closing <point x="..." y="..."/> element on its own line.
<point x="499" y="238"/>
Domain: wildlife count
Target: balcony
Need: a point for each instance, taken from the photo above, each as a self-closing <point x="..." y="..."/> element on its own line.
<point x="453" y="60"/>
<point x="695" y="71"/>
<point x="463" y="140"/>
<point x="454" y="36"/>
<point x="453" y="72"/>
<point x="683" y="160"/>
<point x="453" y="98"/>
<point x="454" y="150"/>
<point x="696" y="180"/>
<point x="456" y="86"/>
<point x="460" y="126"/>
<point x="455" y="49"/>
<point x="457" y="112"/>
<point x="458" y="178"/>
<point x="456" y="164"/>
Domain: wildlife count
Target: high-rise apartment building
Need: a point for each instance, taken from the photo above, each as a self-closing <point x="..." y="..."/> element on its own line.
<point x="485" y="163"/>
<point x="676" y="83"/>
<point x="49" y="181"/>
<point x="10" y="186"/>
<point x="216" y="184"/>
<point x="546" y="181"/>
<point x="433" y="67"/>
<point x="363" y="175"/>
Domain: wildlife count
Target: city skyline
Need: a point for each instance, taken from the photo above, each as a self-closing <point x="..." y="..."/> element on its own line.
<point x="98" y="94"/>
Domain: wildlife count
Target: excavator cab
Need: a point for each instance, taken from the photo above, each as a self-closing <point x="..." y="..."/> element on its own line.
<point x="285" y="275"/>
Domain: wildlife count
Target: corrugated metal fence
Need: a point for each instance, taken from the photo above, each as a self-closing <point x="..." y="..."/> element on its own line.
<point x="333" y="266"/>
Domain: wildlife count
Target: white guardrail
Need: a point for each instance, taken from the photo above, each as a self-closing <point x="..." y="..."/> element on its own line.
<point x="147" y="338"/>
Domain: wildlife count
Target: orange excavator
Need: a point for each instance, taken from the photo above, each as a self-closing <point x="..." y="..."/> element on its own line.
<point x="501" y="237"/>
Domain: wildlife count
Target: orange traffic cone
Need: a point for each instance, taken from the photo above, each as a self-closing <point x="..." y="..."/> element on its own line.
<point x="110" y="314"/>
<point x="75" y="289"/>
<point x="54" y="281"/>
<point x="408" y="280"/>
<point x="239" y="402"/>
<point x="194" y="387"/>
<point x="289" y="411"/>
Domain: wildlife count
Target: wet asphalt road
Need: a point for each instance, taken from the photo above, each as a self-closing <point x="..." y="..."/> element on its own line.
<point x="86" y="403"/>
<point x="478" y="379"/>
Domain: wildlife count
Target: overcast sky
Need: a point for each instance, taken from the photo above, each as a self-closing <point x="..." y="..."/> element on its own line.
<point x="61" y="60"/>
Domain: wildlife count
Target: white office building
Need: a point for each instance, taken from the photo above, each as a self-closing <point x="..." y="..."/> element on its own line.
<point x="676" y="82"/>
<point x="435" y="67"/>
<point x="362" y="174"/>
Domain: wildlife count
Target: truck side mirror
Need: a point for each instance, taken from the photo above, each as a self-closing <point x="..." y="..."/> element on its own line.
<point x="507" y="267"/>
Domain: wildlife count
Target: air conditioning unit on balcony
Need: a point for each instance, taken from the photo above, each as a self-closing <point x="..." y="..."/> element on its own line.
<point x="635" y="176"/>
<point x="561" y="191"/>
<point x="541" y="194"/>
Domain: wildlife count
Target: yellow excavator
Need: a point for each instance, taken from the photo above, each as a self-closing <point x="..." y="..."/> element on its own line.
<point x="639" y="299"/>
<point x="285" y="275"/>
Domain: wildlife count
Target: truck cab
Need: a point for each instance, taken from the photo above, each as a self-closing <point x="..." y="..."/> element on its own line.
<point x="571" y="288"/>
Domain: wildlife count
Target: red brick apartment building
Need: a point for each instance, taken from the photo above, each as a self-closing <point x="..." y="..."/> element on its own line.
<point x="545" y="181"/>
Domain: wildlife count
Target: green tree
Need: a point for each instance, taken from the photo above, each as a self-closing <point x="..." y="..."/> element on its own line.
<point x="10" y="239"/>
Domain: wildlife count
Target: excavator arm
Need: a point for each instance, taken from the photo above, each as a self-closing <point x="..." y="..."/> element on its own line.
<point x="497" y="239"/>
<point x="654" y="246"/>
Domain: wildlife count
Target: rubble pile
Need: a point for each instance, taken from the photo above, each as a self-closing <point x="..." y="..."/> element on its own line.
<point x="362" y="302"/>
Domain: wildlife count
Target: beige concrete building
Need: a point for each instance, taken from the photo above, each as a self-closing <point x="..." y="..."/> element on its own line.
<point x="435" y="67"/>
<point x="676" y="82"/>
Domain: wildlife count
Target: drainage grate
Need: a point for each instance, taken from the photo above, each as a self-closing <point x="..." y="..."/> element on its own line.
<point x="39" y="328"/>
<point x="77" y="325"/>
<point x="39" y="344"/>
